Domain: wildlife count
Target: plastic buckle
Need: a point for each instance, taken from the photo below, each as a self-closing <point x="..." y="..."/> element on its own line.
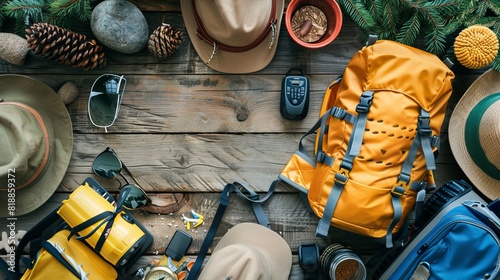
<point x="320" y="157"/>
<point x="365" y="101"/>
<point x="424" y="127"/>
<point x="338" y="113"/>
<point x="399" y="189"/>
<point x="309" y="259"/>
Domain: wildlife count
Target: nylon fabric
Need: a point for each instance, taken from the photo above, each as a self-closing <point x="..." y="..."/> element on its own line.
<point x="459" y="246"/>
<point x="404" y="80"/>
<point x="47" y="267"/>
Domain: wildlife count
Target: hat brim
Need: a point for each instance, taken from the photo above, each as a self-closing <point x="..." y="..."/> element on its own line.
<point x="256" y="236"/>
<point x="488" y="83"/>
<point x="232" y="62"/>
<point x="29" y="91"/>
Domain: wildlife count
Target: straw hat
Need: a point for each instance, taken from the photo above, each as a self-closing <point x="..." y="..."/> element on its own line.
<point x="474" y="133"/>
<point x="234" y="36"/>
<point x="36" y="142"/>
<point x="249" y="251"/>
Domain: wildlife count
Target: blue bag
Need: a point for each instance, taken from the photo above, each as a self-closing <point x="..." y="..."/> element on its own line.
<point x="462" y="244"/>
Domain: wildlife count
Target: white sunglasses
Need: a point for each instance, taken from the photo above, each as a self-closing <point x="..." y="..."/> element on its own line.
<point x="105" y="99"/>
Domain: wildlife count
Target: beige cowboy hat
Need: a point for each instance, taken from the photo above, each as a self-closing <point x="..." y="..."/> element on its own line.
<point x="36" y="142"/>
<point x="234" y="36"/>
<point x="474" y="133"/>
<point x="249" y="251"/>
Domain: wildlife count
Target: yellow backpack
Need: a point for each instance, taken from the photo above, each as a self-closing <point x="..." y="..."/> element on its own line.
<point x="378" y="130"/>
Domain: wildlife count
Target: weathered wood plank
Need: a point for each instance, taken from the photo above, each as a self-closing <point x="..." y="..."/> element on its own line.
<point x="195" y="104"/>
<point x="205" y="103"/>
<point x="201" y="163"/>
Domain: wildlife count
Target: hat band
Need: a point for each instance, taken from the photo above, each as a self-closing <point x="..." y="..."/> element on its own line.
<point x="472" y="138"/>
<point x="45" y="159"/>
<point x="203" y="34"/>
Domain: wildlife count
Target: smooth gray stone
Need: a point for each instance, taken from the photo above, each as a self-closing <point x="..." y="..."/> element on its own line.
<point x="120" y="26"/>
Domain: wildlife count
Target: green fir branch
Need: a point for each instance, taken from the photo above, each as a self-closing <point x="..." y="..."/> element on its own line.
<point x="359" y="13"/>
<point x="435" y="41"/>
<point x="389" y="18"/>
<point x="496" y="63"/>
<point x="409" y="31"/>
<point x="20" y="9"/>
<point x="58" y="12"/>
<point x="63" y="9"/>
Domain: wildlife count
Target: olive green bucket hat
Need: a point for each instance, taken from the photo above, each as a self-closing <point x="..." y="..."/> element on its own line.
<point x="36" y="142"/>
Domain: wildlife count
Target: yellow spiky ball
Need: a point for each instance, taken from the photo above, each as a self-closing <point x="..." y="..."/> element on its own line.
<point x="476" y="46"/>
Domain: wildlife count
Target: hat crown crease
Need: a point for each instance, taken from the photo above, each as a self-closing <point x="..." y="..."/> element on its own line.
<point x="31" y="143"/>
<point x="234" y="27"/>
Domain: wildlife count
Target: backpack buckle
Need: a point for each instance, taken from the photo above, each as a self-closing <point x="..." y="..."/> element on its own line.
<point x="399" y="188"/>
<point x="365" y="101"/>
<point x="320" y="157"/>
<point x="424" y="127"/>
<point x="341" y="178"/>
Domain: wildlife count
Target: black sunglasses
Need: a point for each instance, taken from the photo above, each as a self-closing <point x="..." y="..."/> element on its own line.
<point x="105" y="99"/>
<point x="107" y="165"/>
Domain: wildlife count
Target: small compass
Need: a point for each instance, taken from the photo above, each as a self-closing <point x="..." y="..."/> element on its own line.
<point x="160" y="273"/>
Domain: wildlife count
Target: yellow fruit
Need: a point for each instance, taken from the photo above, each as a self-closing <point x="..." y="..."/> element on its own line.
<point x="476" y="46"/>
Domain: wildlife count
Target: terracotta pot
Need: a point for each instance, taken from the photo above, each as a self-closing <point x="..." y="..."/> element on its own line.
<point x="333" y="16"/>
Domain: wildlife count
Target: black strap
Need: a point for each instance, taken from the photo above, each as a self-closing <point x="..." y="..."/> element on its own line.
<point x="256" y="206"/>
<point x="34" y="233"/>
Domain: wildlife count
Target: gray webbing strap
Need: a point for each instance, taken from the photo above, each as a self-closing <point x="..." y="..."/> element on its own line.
<point x="323" y="129"/>
<point x="400" y="188"/>
<point x="322" y="124"/>
<point x="423" y="134"/>
<point x="424" y="131"/>
<point x="331" y="203"/>
<point x="398" y="212"/>
<point x="311" y="131"/>
<point x="365" y="101"/>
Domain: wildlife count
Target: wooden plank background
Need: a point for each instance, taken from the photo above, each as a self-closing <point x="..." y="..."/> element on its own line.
<point x="184" y="128"/>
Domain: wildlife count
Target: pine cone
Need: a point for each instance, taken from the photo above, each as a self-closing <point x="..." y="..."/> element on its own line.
<point x="65" y="46"/>
<point x="164" y="41"/>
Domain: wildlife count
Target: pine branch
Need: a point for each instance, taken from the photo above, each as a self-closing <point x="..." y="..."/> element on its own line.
<point x="20" y="9"/>
<point x="63" y="9"/>
<point x="389" y="17"/>
<point x="409" y="31"/>
<point x="494" y="5"/>
<point x="57" y="12"/>
<point x="358" y="12"/>
<point x="496" y="63"/>
<point x="435" y="41"/>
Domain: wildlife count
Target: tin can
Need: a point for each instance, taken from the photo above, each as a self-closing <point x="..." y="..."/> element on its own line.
<point x="341" y="263"/>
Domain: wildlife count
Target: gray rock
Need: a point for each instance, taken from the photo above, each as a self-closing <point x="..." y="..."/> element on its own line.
<point x="120" y="26"/>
